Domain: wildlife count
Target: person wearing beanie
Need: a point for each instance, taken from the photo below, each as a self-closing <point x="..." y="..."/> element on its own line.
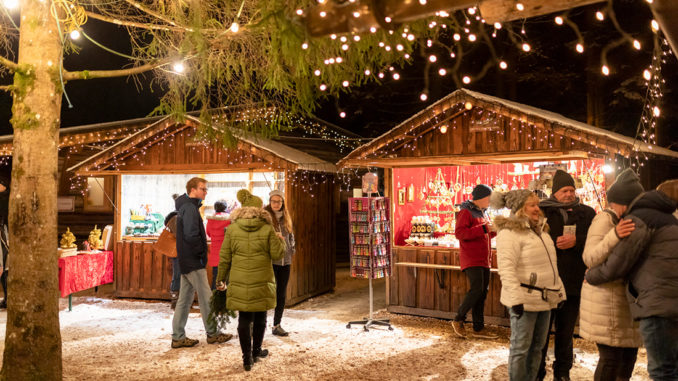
<point x="604" y="314"/>
<point x="192" y="254"/>
<point x="474" y="232"/>
<point x="646" y="262"/>
<point x="569" y="222"/>
<point x="4" y="236"/>
<point x="245" y="263"/>
<point x="530" y="284"/>
<point x="282" y="223"/>
<point x="216" y="226"/>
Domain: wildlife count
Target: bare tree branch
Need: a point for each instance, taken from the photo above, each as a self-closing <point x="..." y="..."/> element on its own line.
<point x="87" y="74"/>
<point x="11" y="65"/>
<point x="6" y="88"/>
<point x="116" y="21"/>
<point x="156" y="15"/>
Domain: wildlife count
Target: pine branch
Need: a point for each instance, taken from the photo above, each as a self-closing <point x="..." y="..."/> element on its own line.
<point x="156" y="15"/>
<point x="11" y="65"/>
<point x="116" y="21"/>
<point x="91" y="74"/>
<point x="7" y="88"/>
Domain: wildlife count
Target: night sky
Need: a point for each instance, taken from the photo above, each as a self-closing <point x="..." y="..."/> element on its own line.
<point x="552" y="77"/>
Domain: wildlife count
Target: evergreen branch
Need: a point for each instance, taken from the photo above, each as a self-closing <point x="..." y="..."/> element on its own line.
<point x="156" y="15"/>
<point x="113" y="20"/>
<point x="11" y="65"/>
<point x="91" y="74"/>
<point x="6" y="88"/>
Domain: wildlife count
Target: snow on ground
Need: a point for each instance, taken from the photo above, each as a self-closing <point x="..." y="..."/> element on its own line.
<point x="110" y="339"/>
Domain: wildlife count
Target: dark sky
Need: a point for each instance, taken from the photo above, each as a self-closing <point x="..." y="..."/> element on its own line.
<point x="552" y="77"/>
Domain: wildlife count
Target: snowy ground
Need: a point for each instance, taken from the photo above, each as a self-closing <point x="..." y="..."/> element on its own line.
<point x="109" y="339"/>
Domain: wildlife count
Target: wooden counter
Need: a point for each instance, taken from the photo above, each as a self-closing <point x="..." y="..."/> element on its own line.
<point x="428" y="281"/>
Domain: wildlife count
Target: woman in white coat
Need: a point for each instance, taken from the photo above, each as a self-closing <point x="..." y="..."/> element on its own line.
<point x="604" y="315"/>
<point x="530" y="284"/>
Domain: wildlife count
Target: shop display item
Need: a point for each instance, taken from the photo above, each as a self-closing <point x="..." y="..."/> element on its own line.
<point x="370" y="237"/>
<point x="94" y="239"/>
<point x="67" y="246"/>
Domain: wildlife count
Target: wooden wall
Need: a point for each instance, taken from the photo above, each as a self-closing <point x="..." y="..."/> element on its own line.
<point x="418" y="291"/>
<point x="140" y="272"/>
<point x="314" y="213"/>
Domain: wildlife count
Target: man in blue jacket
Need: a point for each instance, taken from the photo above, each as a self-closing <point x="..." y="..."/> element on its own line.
<point x="192" y="254"/>
<point x="648" y="259"/>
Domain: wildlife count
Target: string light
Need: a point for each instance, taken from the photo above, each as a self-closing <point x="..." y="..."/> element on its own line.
<point x="423" y="97"/>
<point x="503" y="65"/>
<point x="526" y="47"/>
<point x="75" y="34"/>
<point x="559" y="20"/>
<point x="178" y="67"/>
<point x="600" y="16"/>
<point x="466" y="79"/>
<point x="235" y="27"/>
<point x="442" y="71"/>
<point x="11" y="4"/>
<point x="579" y="48"/>
<point x="605" y="70"/>
<point x="520" y="7"/>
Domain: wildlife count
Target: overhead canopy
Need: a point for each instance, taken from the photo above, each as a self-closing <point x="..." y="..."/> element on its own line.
<point x="491" y="130"/>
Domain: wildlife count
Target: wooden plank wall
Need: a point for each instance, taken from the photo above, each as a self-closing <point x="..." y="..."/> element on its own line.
<point x="310" y="198"/>
<point x="140" y="272"/>
<point x="419" y="292"/>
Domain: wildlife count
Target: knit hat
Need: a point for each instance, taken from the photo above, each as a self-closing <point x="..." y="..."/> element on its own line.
<point x="561" y="179"/>
<point x="481" y="191"/>
<point x="276" y="192"/>
<point x="248" y="199"/>
<point x="625" y="188"/>
<point x="513" y="200"/>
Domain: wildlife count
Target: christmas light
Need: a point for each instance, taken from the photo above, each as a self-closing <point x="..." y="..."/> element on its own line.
<point x="345" y="83"/>
<point x="344" y="47"/>
<point x="520" y="7"/>
<point x="338" y="60"/>
<point x="432" y="58"/>
<point x="323" y="13"/>
<point x="468" y="105"/>
<point x="410" y="37"/>
<point x="343" y="39"/>
<point x="655" y="26"/>
<point x="178" y="67"/>
<point x="607" y="168"/>
<point x="75" y="34"/>
<point x="356" y="14"/>
<point x="503" y="65"/>
<point x="396" y="76"/>
<point x="497" y="25"/>
<point x="373" y="30"/>
<point x="367" y="72"/>
<point x="342" y="114"/>
<point x="526" y="47"/>
<point x="466" y="79"/>
<point x="399" y="47"/>
<point x="423" y="97"/>
<point x="443" y="128"/>
<point x="387" y="19"/>
<point x="456" y="36"/>
<point x="323" y="87"/>
<point x="647" y="75"/>
<point x="235" y="27"/>
<point x="656" y="112"/>
<point x="471" y="11"/>
<point x="380" y="75"/>
<point x="300" y="12"/>
<point x="11" y="4"/>
<point x="472" y="37"/>
<point x="304" y="45"/>
<point x="636" y="44"/>
<point x="600" y="16"/>
<point x="333" y="36"/>
<point x="605" y="70"/>
<point x="317" y="73"/>
<point x="580" y="48"/>
<point x="422" y="2"/>
<point x="442" y="72"/>
<point x="356" y="38"/>
<point x="559" y="20"/>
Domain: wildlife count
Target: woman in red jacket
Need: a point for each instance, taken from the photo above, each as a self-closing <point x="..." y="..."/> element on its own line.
<point x="216" y="225"/>
<point x="474" y="234"/>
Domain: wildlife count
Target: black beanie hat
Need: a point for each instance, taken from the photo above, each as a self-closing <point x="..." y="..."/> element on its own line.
<point x="625" y="188"/>
<point x="481" y="191"/>
<point x="561" y="179"/>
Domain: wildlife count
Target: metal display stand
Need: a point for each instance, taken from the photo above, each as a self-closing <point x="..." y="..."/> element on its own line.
<point x="370" y="321"/>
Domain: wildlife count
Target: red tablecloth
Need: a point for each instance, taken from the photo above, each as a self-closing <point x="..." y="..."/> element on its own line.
<point x="80" y="272"/>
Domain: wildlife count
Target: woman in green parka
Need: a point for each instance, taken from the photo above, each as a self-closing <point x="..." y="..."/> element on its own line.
<point x="250" y="245"/>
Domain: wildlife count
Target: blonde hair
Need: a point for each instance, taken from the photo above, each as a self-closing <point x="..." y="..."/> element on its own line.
<point x="521" y="212"/>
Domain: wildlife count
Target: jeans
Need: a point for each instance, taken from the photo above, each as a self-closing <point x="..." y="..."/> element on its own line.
<point x="479" y="281"/>
<point x="176" y="275"/>
<point x="660" y="336"/>
<point x="565" y="319"/>
<point x="251" y="340"/>
<point x="195" y="281"/>
<point x="282" y="276"/>
<point x="615" y="363"/>
<point x="528" y="335"/>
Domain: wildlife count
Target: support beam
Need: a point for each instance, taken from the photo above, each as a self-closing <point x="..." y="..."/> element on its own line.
<point x="505" y="10"/>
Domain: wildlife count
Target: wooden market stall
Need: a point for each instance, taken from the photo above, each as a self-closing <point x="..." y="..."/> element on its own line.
<point x="432" y="161"/>
<point x="147" y="167"/>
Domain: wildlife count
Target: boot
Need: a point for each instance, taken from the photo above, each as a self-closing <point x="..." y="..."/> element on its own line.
<point x="259" y="354"/>
<point x="279" y="331"/>
<point x="247" y="362"/>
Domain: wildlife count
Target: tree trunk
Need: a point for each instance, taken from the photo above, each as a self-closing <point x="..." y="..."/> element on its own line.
<point x="33" y="338"/>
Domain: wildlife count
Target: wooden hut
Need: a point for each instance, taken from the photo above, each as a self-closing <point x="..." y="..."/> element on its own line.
<point x="431" y="162"/>
<point x="154" y="162"/>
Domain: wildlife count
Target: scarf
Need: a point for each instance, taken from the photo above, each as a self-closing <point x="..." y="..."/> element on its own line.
<point x="552" y="202"/>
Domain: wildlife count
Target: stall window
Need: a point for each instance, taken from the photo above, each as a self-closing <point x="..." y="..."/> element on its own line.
<point x="98" y="195"/>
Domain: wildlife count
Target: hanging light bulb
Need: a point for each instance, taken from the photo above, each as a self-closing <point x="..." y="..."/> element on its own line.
<point x="342" y="114"/>
<point x="647" y="75"/>
<point x="472" y="37"/>
<point x="497" y="25"/>
<point x="423" y="97"/>
<point x="579" y="48"/>
<point x="526" y="47"/>
<point x="442" y="72"/>
<point x="443" y="128"/>
<point x="503" y="65"/>
<point x="432" y="58"/>
<point x="559" y="20"/>
<point x="520" y="7"/>
<point x="636" y="44"/>
<point x="605" y="70"/>
<point x="466" y="79"/>
<point x="600" y="16"/>
<point x="235" y="27"/>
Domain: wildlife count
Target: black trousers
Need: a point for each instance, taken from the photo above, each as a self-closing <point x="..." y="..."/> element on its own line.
<point x="565" y="319"/>
<point x="479" y="281"/>
<point x="615" y="363"/>
<point x="282" y="276"/>
<point x="5" y="250"/>
<point x="251" y="328"/>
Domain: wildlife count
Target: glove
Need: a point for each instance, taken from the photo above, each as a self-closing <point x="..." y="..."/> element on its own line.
<point x="221" y="286"/>
<point x="518" y="310"/>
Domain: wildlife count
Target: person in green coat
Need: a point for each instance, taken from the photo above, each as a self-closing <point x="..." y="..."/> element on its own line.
<point x="250" y="245"/>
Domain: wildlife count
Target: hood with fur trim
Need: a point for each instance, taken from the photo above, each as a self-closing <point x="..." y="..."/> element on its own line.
<point x="251" y="218"/>
<point x="518" y="223"/>
<point x="219" y="217"/>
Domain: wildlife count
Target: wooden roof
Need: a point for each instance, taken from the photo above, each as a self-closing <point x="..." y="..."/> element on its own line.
<point x="523" y="133"/>
<point x="166" y="146"/>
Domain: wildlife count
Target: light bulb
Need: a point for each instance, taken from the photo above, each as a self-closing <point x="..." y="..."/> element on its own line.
<point x="399" y="48"/>
<point x="443" y="128"/>
<point x="656" y="112"/>
<point x="520" y="7"/>
<point x="356" y="38"/>
<point x="432" y="58"/>
<point x="75" y="34"/>
<point x="300" y="12"/>
<point x="503" y="65"/>
<point x="317" y="73"/>
<point x="647" y="75"/>
<point x="343" y="39"/>
<point x="526" y="47"/>
<point x="235" y="27"/>
<point x="636" y="44"/>
<point x="422" y="2"/>
<point x="323" y="87"/>
<point x="380" y="75"/>
<point x="178" y="67"/>
<point x="423" y="97"/>
<point x="442" y="72"/>
<point x="344" y="47"/>
<point x="580" y="48"/>
<point x="605" y="70"/>
<point x="396" y="76"/>
<point x="559" y="20"/>
<point x="655" y="26"/>
<point x="304" y="45"/>
<point x="607" y="168"/>
<point x="497" y="25"/>
<point x="356" y="14"/>
<point x="410" y="37"/>
<point x="468" y="105"/>
<point x="456" y="36"/>
<point x="472" y="37"/>
<point x="387" y="19"/>
<point x="471" y="11"/>
<point x="323" y="13"/>
<point x="11" y="4"/>
<point x="342" y="114"/>
<point x="345" y="83"/>
<point x="600" y="16"/>
<point x="367" y="72"/>
<point x="466" y="79"/>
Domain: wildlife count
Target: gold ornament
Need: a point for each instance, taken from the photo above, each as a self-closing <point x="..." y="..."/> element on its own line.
<point x="67" y="240"/>
<point x="95" y="239"/>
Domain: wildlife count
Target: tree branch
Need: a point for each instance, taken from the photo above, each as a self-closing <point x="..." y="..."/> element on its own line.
<point x="7" y="88"/>
<point x="156" y="15"/>
<point x="11" y="65"/>
<point x="87" y="74"/>
<point x="116" y="21"/>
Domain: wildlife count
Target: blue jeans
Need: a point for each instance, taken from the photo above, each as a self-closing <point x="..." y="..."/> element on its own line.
<point x="528" y="335"/>
<point x="176" y="275"/>
<point x="660" y="336"/>
<point x="195" y="281"/>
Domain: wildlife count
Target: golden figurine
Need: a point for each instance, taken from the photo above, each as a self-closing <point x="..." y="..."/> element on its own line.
<point x="67" y="240"/>
<point x="95" y="239"/>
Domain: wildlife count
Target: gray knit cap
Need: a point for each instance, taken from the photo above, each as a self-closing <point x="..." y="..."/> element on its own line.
<point x="625" y="188"/>
<point x="513" y="200"/>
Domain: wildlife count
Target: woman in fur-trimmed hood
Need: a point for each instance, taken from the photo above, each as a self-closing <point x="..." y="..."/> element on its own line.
<point x="530" y="284"/>
<point x="250" y="245"/>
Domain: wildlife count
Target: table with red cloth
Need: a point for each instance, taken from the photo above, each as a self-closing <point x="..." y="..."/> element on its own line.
<point x="80" y="272"/>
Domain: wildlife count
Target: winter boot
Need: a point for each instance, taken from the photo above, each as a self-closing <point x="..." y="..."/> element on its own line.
<point x="259" y="354"/>
<point x="279" y="331"/>
<point x="247" y="362"/>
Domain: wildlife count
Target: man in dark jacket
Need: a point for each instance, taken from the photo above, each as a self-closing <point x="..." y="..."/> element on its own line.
<point x="472" y="229"/>
<point x="192" y="254"/>
<point x="569" y="222"/>
<point x="648" y="259"/>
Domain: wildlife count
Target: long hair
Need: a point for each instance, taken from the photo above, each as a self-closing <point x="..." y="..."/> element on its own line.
<point x="521" y="212"/>
<point x="287" y="221"/>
